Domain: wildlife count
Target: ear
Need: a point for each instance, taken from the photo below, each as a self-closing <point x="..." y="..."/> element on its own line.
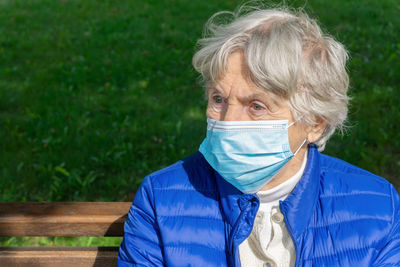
<point x="315" y="131"/>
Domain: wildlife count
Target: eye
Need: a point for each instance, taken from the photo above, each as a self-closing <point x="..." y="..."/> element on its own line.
<point x="257" y="109"/>
<point x="217" y="102"/>
<point x="257" y="106"/>
<point x="218" y="99"/>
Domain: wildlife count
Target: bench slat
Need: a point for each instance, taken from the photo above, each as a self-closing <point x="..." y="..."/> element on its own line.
<point x="63" y="218"/>
<point x="58" y="256"/>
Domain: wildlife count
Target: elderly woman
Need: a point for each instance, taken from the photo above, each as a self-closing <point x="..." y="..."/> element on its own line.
<point x="258" y="192"/>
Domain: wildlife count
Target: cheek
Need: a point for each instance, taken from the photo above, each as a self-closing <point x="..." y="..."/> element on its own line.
<point x="211" y="113"/>
<point x="297" y="134"/>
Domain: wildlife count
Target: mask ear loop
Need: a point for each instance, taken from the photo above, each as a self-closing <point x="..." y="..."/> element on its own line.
<point x="305" y="140"/>
<point x="293" y="122"/>
<point x="302" y="144"/>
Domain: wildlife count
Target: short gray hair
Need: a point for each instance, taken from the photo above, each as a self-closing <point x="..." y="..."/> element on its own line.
<point x="288" y="55"/>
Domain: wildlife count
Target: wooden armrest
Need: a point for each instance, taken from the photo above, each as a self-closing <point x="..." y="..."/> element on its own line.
<point x="63" y="218"/>
<point x="58" y="256"/>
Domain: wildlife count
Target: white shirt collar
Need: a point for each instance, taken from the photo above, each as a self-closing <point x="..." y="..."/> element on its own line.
<point x="281" y="191"/>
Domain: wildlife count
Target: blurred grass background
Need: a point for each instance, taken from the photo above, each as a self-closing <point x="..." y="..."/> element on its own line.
<point x="94" y="95"/>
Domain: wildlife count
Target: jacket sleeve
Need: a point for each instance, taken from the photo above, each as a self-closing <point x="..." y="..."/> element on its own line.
<point x="141" y="242"/>
<point x="390" y="254"/>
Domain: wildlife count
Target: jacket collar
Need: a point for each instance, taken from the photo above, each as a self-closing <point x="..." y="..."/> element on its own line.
<point x="231" y="199"/>
<point x="298" y="206"/>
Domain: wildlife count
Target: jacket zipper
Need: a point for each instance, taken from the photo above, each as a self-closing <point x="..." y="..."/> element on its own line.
<point x="283" y="210"/>
<point x="234" y="231"/>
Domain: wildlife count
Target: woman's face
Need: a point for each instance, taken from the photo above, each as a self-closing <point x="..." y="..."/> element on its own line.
<point x="235" y="98"/>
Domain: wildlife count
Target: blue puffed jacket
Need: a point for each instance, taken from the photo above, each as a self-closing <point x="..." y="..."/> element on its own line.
<point x="188" y="215"/>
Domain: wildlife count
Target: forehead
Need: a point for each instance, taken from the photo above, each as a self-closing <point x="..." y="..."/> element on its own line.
<point x="236" y="81"/>
<point x="236" y="74"/>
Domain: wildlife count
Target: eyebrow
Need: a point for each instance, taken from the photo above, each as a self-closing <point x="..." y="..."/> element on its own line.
<point x="213" y="88"/>
<point x="262" y="96"/>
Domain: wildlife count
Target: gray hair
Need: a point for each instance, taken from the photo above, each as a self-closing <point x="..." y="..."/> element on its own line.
<point x="287" y="55"/>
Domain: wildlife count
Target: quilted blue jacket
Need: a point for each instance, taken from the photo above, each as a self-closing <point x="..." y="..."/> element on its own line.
<point x="188" y="215"/>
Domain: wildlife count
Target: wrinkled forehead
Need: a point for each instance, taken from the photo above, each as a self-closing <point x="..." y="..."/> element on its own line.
<point x="236" y="74"/>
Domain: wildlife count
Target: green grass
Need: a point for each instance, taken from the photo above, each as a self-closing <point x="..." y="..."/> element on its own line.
<point x="94" y="95"/>
<point x="60" y="241"/>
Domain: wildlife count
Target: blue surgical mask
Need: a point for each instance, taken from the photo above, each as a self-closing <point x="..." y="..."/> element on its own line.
<point x="247" y="154"/>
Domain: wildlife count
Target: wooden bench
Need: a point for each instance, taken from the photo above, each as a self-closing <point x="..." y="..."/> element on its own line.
<point x="69" y="219"/>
